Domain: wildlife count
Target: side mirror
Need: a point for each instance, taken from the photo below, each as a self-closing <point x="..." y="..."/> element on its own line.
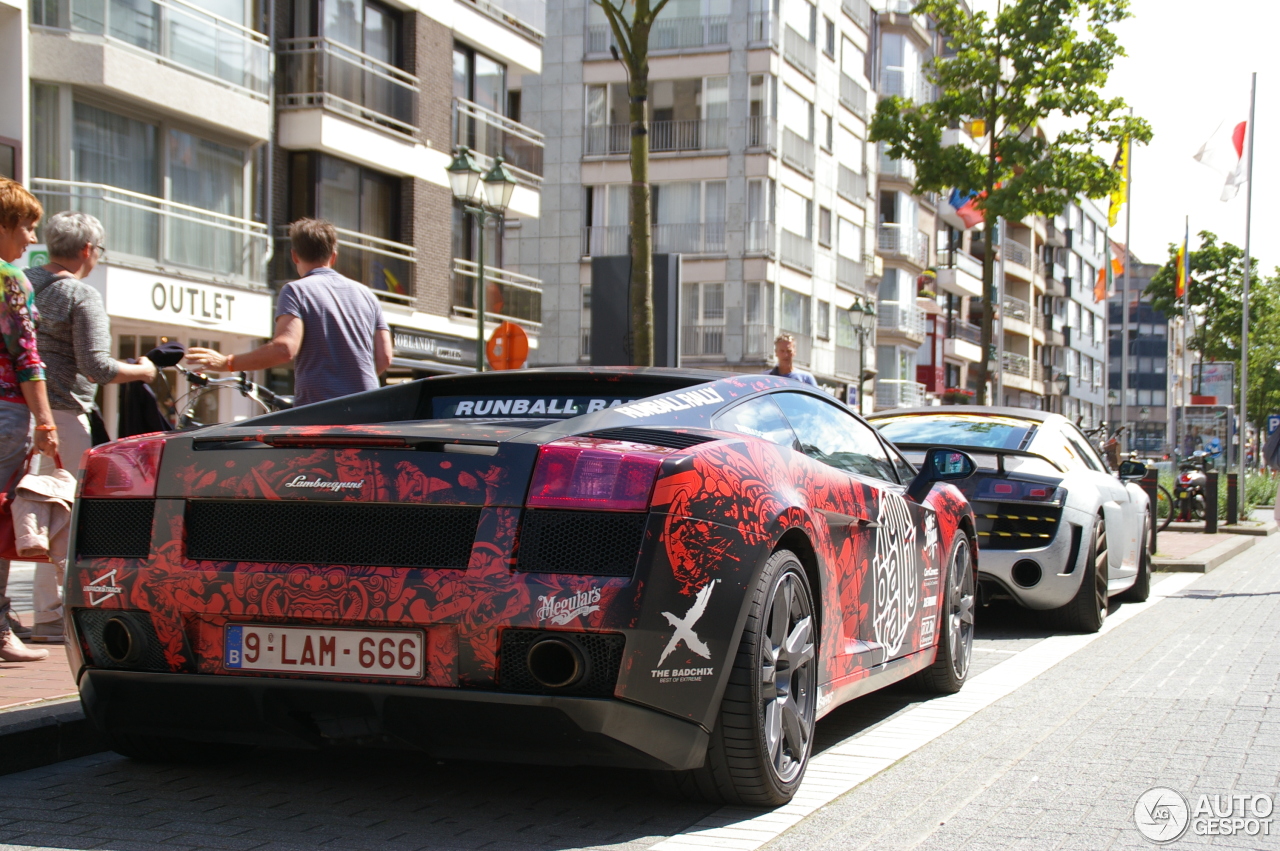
<point x="940" y="465"/>
<point x="1132" y="471"/>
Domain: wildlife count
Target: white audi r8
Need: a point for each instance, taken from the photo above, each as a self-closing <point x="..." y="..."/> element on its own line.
<point x="1056" y="529"/>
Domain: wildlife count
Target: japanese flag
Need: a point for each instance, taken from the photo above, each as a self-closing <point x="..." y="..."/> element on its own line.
<point x="1225" y="154"/>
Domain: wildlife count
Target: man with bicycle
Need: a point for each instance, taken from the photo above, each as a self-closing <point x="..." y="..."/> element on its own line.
<point x="331" y="327"/>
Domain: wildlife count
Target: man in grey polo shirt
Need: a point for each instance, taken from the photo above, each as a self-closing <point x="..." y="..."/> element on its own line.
<point x="331" y="327"/>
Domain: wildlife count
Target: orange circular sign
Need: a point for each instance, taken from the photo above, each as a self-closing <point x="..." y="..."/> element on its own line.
<point x="508" y="347"/>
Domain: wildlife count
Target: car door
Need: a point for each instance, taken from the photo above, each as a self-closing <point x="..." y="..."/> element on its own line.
<point x="871" y="523"/>
<point x="1123" y="508"/>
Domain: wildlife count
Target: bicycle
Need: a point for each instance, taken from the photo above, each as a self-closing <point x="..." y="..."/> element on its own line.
<point x="200" y="384"/>
<point x="1165" y="510"/>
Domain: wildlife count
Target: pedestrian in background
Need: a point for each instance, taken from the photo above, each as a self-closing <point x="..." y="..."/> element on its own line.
<point x="784" y="348"/>
<point x="1271" y="457"/>
<point x="22" y="379"/>
<point x="330" y="326"/>
<point x="74" y="335"/>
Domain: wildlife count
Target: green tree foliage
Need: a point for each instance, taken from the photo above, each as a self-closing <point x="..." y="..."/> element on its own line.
<point x="1033" y="61"/>
<point x="1217" y="283"/>
<point x="631" y="21"/>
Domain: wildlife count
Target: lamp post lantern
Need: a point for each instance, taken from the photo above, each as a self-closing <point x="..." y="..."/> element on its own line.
<point x="485" y="196"/>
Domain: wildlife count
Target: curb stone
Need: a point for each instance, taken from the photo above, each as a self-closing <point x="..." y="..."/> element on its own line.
<point x="1258" y="529"/>
<point x="1207" y="559"/>
<point x="34" y="736"/>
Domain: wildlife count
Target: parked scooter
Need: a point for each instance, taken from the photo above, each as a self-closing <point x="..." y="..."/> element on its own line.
<point x="1188" y="490"/>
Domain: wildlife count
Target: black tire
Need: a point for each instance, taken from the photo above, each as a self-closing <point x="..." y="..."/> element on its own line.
<point x="1164" y="498"/>
<point x="1141" y="588"/>
<point x="764" y="732"/>
<point x="955" y="625"/>
<point x="164" y="749"/>
<point x="1088" y="608"/>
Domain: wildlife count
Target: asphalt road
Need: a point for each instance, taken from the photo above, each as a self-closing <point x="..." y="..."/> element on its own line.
<point x="292" y="800"/>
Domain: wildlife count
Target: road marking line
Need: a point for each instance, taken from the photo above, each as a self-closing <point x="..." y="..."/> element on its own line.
<point x="860" y="757"/>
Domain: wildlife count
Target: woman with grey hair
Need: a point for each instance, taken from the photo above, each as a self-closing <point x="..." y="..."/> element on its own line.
<point x="74" y="336"/>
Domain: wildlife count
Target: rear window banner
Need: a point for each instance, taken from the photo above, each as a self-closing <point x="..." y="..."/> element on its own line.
<point x="456" y="407"/>
<point x="670" y="404"/>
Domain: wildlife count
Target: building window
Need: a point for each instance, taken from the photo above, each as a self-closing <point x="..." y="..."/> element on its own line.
<point x="824" y="227"/>
<point x="823" y="321"/>
<point x="479" y="79"/>
<point x="829" y="132"/>
<point x="689" y="217"/>
<point x="703" y="319"/>
<point x="361" y="203"/>
<point x="762" y="96"/>
<point x="584" y="322"/>
<point x="794" y="312"/>
<point x="760" y="201"/>
<point x="829" y="44"/>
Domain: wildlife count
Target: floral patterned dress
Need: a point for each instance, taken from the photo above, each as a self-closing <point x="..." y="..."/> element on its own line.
<point x="20" y="360"/>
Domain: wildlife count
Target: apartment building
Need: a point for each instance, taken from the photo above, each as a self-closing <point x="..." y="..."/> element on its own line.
<point x="196" y="129"/>
<point x="761" y="179"/>
<point x="1147" y="408"/>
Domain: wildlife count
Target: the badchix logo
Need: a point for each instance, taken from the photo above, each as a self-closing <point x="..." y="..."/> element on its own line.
<point x="683" y="633"/>
<point x="319" y="484"/>
<point x="560" y="611"/>
<point x="894" y="569"/>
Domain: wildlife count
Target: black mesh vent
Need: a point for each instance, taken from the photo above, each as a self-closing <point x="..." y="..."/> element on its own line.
<point x="1015" y="526"/>
<point x="146" y="653"/>
<point x="115" y="528"/>
<point x="598" y="543"/>
<point x="601" y="653"/>
<point x="331" y="533"/>
<point x="653" y="437"/>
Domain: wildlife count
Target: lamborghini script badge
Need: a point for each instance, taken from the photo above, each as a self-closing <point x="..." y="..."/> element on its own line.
<point x="103" y="588"/>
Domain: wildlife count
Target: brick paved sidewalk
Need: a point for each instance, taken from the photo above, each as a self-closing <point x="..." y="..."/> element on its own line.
<point x="1187" y="544"/>
<point x="1182" y="696"/>
<point x="22" y="683"/>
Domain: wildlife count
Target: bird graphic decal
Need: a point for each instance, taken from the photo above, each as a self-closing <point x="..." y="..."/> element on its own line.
<point x="684" y="626"/>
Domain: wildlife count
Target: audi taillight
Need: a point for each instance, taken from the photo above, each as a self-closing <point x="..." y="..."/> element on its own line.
<point x="124" y="468"/>
<point x="602" y="475"/>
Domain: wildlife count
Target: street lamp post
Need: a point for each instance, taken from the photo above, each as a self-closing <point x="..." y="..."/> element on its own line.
<point x="865" y="323"/>
<point x="484" y="196"/>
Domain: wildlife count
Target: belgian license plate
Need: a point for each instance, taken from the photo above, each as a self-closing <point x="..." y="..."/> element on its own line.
<point x="302" y="649"/>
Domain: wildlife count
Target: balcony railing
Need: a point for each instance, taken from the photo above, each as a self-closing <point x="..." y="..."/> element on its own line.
<point x="859" y="11"/>
<point x="319" y="72"/>
<point x="1016" y="252"/>
<point x="684" y="238"/>
<point x="509" y="296"/>
<point x="1016" y="308"/>
<point x="797" y="151"/>
<point x="528" y="16"/>
<point x="761" y="132"/>
<point x="695" y="134"/>
<point x="165" y="232"/>
<point x="847" y="361"/>
<point x="961" y="260"/>
<point x="797" y="250"/>
<point x="901" y="169"/>
<point x="967" y="331"/>
<point x="1016" y="364"/>
<point x="177" y="32"/>
<point x="701" y="340"/>
<point x="383" y="265"/>
<point x="762" y="28"/>
<point x="492" y="135"/>
<point x="922" y="248"/>
<point x="757" y="341"/>
<point x="669" y="33"/>
<point x="800" y="52"/>
<point x="904" y="320"/>
<point x="895" y="393"/>
<point x="853" y="97"/>
<point x="899" y="240"/>
<point x="894" y="81"/>
<point x="851" y="274"/>
<point x="761" y="238"/>
<point x="851" y="186"/>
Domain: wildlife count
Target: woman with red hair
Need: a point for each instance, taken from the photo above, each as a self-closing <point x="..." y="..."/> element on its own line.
<point x="22" y="389"/>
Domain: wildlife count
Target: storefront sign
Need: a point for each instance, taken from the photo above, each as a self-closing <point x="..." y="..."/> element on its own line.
<point x="174" y="301"/>
<point x="423" y="345"/>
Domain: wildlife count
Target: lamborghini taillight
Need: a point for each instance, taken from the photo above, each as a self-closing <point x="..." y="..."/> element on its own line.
<point x="607" y="478"/>
<point x="124" y="468"/>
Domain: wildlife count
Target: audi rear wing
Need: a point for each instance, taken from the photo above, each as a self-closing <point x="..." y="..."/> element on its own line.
<point x="999" y="453"/>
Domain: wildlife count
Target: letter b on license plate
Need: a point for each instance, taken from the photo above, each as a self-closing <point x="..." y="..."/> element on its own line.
<point x="317" y="650"/>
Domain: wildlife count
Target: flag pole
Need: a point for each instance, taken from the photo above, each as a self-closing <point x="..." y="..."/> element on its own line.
<point x="1181" y="430"/>
<point x="1244" y="300"/>
<point x="1127" y="440"/>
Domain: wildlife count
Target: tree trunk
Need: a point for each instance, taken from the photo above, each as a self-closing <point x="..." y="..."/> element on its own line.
<point x="641" y="215"/>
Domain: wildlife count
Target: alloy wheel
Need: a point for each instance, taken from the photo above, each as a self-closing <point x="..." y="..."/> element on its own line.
<point x="961" y="604"/>
<point x="787" y="677"/>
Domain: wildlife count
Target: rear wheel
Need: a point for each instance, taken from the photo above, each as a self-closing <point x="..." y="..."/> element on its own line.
<point x="1088" y="608"/>
<point x="764" y="732"/>
<point x="955" y="639"/>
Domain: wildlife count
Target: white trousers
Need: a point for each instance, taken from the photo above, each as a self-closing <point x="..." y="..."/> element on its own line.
<point x="74" y="439"/>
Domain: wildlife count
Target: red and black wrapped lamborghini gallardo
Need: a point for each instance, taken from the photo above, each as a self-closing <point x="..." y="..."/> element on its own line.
<point x="660" y="569"/>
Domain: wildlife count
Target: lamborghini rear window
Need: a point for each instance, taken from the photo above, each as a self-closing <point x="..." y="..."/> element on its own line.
<point x="956" y="430"/>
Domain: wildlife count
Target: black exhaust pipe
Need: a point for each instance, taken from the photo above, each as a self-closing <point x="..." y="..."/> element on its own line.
<point x="555" y="663"/>
<point x="123" y="641"/>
